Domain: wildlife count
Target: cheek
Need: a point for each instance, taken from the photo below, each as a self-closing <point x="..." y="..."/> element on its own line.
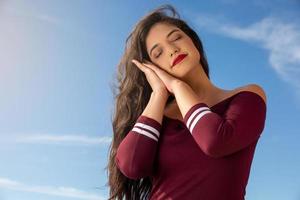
<point x="198" y="55"/>
<point x="195" y="52"/>
<point x="193" y="49"/>
<point x="163" y="66"/>
<point x="162" y="63"/>
<point x="158" y="64"/>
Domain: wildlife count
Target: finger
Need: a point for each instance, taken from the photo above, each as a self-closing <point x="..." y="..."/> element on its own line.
<point x="142" y="67"/>
<point x="154" y="68"/>
<point x="138" y="64"/>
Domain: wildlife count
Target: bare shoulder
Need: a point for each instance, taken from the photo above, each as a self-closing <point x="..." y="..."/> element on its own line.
<point x="256" y="89"/>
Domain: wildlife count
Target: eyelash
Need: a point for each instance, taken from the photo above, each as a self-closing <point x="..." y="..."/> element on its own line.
<point x="161" y="52"/>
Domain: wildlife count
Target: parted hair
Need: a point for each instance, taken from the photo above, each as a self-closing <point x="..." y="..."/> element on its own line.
<point x="132" y="94"/>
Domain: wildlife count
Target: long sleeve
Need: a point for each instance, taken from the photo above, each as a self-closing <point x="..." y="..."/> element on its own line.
<point x="136" y="153"/>
<point x="241" y="124"/>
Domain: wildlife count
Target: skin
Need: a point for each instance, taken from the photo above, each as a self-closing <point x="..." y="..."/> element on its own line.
<point x="186" y="80"/>
<point x="160" y="71"/>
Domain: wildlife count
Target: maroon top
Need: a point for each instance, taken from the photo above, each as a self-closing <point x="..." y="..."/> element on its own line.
<point x="207" y="156"/>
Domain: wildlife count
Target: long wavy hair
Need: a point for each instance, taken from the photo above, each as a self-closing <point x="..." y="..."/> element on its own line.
<point x="132" y="95"/>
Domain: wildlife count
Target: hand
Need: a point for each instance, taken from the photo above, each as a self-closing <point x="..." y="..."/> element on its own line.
<point x="155" y="82"/>
<point x="164" y="76"/>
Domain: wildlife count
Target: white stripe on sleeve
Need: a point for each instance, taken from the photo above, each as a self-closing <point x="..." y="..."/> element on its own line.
<point x="195" y="113"/>
<point x="144" y="132"/>
<point x="150" y="128"/>
<point x="199" y="116"/>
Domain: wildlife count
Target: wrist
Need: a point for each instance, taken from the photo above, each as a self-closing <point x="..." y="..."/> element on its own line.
<point x="177" y="85"/>
<point x="160" y="94"/>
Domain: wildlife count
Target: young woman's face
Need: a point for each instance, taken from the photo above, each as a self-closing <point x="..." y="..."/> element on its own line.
<point x="165" y="42"/>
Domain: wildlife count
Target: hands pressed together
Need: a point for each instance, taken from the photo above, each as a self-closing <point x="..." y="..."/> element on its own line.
<point x="159" y="80"/>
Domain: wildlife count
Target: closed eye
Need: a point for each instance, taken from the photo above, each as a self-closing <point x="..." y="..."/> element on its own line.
<point x="158" y="55"/>
<point x="161" y="51"/>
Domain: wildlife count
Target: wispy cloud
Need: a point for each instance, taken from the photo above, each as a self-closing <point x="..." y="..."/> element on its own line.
<point x="280" y="38"/>
<point x="26" y="13"/>
<point x="48" y="18"/>
<point x="71" y="192"/>
<point x="62" y="139"/>
<point x="44" y="138"/>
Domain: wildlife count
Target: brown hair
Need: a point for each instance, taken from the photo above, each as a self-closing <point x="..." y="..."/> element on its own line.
<point x="133" y="95"/>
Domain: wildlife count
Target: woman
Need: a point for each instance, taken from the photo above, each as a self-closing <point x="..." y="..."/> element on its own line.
<point x="176" y="134"/>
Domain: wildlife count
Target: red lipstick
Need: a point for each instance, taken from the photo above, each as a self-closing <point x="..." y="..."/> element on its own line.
<point x="179" y="58"/>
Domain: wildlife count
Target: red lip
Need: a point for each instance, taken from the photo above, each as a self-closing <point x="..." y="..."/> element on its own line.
<point x="178" y="59"/>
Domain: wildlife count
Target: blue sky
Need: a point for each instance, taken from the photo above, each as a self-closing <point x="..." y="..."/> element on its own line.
<point x="57" y="64"/>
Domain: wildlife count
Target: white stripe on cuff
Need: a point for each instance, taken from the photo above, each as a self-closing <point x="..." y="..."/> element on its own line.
<point x="195" y="113"/>
<point x="150" y="128"/>
<point x="199" y="116"/>
<point x="144" y="132"/>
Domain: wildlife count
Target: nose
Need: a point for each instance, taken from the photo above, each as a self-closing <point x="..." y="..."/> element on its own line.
<point x="173" y="50"/>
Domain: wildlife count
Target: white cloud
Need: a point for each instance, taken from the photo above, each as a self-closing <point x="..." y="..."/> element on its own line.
<point x="48" y="190"/>
<point x="62" y="139"/>
<point x="14" y="11"/>
<point x="49" y="19"/>
<point x="280" y="38"/>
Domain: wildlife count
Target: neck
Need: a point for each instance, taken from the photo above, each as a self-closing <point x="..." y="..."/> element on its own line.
<point x="203" y="87"/>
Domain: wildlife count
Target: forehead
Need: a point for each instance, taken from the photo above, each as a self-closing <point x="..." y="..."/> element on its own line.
<point x="157" y="33"/>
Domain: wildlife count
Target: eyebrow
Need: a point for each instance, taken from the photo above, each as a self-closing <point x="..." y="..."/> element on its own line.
<point x="174" y="30"/>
